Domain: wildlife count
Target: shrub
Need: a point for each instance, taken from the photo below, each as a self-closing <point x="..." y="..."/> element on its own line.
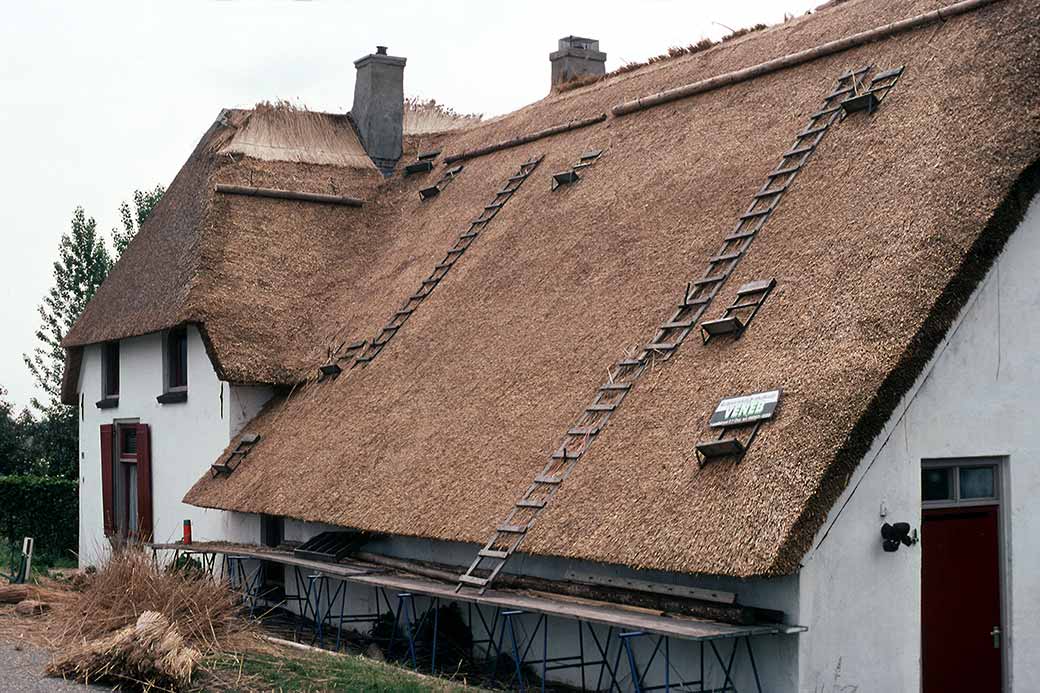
<point x="43" y="507"/>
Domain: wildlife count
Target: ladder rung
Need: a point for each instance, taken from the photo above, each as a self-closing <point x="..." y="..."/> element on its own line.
<point x="473" y="580"/>
<point x="530" y="503"/>
<point x="895" y="72"/>
<point x="769" y="192"/>
<point x="456" y="251"/>
<point x="784" y="171"/>
<point x="799" y="150"/>
<point x="443" y="265"/>
<point x="519" y="176"/>
<point x="739" y="236"/>
<point x="469" y="234"/>
<point x="662" y="346"/>
<point x="491" y="553"/>
<point x="431" y="280"/>
<point x="512" y="529"/>
<point x="826" y="111"/>
<point x="725" y="257"/>
<point x="811" y="131"/>
<point x="390" y="328"/>
<point x="553" y="480"/>
<point x="616" y="386"/>
<point x="601" y="407"/>
<point x="418" y="296"/>
<point x="493" y="206"/>
<point x="709" y="280"/>
<point x="364" y="359"/>
<point x="839" y="92"/>
<point x="630" y="362"/>
<point x="677" y="325"/>
<point x="756" y="213"/>
<point x="563" y="454"/>
<point x="583" y="431"/>
<point x="692" y="302"/>
<point x="738" y="306"/>
<point x="403" y="311"/>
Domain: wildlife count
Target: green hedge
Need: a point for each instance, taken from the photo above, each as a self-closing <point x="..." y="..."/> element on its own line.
<point x="45" y="508"/>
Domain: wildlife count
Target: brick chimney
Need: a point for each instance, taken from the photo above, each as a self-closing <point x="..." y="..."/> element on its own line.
<point x="378" y="108"/>
<point x="576" y="57"/>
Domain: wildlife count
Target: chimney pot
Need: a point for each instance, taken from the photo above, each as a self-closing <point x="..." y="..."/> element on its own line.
<point x="576" y="57"/>
<point x="378" y="110"/>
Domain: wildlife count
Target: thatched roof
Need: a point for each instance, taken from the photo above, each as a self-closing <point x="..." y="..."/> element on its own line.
<point x="250" y="272"/>
<point x="874" y="249"/>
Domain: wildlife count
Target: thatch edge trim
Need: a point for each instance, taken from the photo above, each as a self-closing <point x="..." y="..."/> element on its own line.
<point x="294" y="195"/>
<point x="526" y="139"/>
<point x="70" y="375"/>
<point x="793" y="59"/>
<point x="978" y="261"/>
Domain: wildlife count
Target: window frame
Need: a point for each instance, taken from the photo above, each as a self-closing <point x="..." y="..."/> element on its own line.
<point x="955" y="466"/>
<point x="172" y="394"/>
<point x="110" y="370"/>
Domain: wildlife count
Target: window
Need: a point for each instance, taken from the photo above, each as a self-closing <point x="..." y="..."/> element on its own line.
<point x="110" y="370"/>
<point x="177" y="359"/>
<point x="175" y="366"/>
<point x="959" y="482"/>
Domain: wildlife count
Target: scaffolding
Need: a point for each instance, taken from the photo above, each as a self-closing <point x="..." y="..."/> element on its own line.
<point x="519" y="626"/>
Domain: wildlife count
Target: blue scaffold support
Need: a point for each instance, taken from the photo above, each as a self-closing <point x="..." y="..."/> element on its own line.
<point x="519" y="650"/>
<point x="240" y="580"/>
<point x="663" y="644"/>
<point x="405" y="606"/>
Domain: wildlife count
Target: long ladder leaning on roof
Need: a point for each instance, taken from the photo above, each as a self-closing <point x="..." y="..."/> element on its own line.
<point x="508" y="535"/>
<point x="441" y="269"/>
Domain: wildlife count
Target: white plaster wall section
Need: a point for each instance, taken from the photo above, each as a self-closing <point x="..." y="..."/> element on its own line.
<point x="977" y="397"/>
<point x="186" y="438"/>
<point x="92" y="544"/>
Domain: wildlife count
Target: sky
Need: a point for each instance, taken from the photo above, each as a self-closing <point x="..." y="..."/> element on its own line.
<point x="98" y="99"/>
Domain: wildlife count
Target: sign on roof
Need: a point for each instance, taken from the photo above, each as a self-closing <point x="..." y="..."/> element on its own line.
<point x="735" y="411"/>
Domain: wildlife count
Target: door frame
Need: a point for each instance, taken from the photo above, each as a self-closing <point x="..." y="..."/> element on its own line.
<point x="1002" y="487"/>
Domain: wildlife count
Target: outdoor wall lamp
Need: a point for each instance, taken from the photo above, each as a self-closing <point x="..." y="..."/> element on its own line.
<point x="894" y="535"/>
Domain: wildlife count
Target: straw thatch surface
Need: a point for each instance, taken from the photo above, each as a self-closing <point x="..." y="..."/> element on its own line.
<point x="281" y="132"/>
<point x="874" y="248"/>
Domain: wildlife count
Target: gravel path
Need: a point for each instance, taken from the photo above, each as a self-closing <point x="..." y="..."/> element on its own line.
<point x="21" y="671"/>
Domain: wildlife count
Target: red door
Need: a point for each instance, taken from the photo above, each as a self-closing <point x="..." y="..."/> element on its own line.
<point x="960" y="600"/>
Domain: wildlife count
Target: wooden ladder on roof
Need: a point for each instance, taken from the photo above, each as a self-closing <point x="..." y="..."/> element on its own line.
<point x="509" y="535"/>
<point x="366" y="352"/>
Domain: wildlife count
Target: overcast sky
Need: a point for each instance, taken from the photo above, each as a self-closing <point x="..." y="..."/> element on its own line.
<point x="97" y="99"/>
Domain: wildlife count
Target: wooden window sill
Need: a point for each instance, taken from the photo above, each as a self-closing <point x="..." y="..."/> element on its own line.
<point x="173" y="397"/>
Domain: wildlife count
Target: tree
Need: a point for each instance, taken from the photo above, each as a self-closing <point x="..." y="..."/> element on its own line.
<point x="144" y="203"/>
<point x="12" y="447"/>
<point x="83" y="262"/>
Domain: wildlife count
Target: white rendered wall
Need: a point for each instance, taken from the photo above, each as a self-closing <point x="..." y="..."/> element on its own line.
<point x="186" y="438"/>
<point x="978" y="397"/>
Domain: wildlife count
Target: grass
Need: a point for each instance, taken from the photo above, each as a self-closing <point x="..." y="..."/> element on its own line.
<point x="311" y="672"/>
<point x="42" y="563"/>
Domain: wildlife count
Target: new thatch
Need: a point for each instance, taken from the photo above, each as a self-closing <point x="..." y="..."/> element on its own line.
<point x="874" y="249"/>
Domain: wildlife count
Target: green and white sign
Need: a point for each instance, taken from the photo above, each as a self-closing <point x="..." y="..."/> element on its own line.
<point x="735" y="411"/>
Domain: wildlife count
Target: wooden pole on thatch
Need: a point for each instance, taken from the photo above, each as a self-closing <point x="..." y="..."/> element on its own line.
<point x="524" y="139"/>
<point x="288" y="195"/>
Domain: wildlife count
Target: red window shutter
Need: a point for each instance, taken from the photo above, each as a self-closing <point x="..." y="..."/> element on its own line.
<point x="144" y="483"/>
<point x="107" y="508"/>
